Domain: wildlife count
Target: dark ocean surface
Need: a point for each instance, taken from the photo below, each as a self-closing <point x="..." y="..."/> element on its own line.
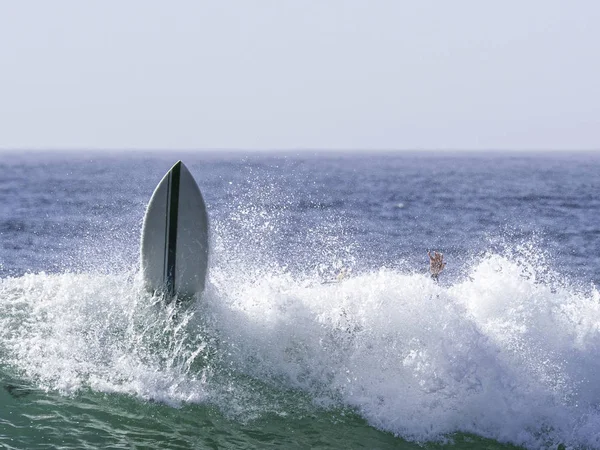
<point x="503" y="351"/>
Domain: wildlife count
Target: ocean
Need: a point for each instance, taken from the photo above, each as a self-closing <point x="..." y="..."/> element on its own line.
<point x="502" y="352"/>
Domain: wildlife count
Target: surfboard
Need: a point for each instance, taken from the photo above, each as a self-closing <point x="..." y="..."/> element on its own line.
<point x="174" y="241"/>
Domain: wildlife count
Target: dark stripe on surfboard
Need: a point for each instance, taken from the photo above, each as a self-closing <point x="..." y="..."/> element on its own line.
<point x="166" y="246"/>
<point x="172" y="211"/>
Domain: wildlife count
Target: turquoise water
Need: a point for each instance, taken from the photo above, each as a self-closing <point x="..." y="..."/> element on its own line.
<point x="111" y="421"/>
<point x="501" y="353"/>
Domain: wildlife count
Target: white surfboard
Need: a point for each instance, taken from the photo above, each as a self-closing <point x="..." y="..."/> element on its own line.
<point x="174" y="244"/>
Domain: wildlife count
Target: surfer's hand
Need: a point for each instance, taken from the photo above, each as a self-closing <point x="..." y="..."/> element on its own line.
<point x="436" y="263"/>
<point x="342" y="274"/>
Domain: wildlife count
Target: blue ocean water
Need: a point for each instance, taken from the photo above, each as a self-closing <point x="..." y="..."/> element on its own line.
<point x="502" y="351"/>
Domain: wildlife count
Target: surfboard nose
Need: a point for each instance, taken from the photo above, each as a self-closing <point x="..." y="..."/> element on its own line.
<point x="174" y="242"/>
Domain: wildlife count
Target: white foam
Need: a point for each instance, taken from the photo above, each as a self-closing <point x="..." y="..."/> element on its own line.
<point x="73" y="331"/>
<point x="500" y="354"/>
<point x="503" y="353"/>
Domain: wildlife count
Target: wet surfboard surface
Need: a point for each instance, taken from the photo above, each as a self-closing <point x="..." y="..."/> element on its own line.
<point x="174" y="242"/>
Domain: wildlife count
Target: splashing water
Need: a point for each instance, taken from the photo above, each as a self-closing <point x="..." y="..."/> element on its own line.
<point x="503" y="353"/>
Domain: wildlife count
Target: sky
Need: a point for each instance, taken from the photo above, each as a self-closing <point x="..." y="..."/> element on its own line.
<point x="311" y="74"/>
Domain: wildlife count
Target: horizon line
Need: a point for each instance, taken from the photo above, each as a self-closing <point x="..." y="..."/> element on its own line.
<point x="291" y="149"/>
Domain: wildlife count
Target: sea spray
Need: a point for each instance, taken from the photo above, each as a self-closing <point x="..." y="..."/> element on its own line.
<point x="500" y="352"/>
<point x="73" y="331"/>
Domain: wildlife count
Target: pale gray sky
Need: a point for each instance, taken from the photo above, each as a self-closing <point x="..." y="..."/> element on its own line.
<point x="287" y="74"/>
